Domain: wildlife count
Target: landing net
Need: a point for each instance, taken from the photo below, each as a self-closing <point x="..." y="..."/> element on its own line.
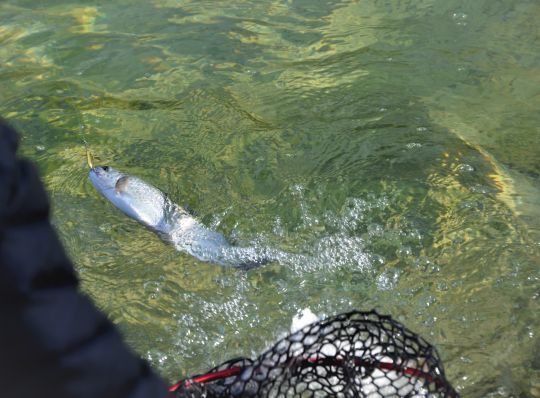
<point x="357" y="354"/>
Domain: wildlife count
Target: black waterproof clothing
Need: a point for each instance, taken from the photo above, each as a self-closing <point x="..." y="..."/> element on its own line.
<point x="53" y="341"/>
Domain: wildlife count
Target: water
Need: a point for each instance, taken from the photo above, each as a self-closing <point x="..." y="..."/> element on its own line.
<point x="391" y="148"/>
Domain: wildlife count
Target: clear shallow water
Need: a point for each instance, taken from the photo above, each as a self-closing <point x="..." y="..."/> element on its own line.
<point x="390" y="147"/>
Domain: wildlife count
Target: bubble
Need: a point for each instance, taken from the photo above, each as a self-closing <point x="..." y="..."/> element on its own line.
<point x="465" y="168"/>
<point x="412" y="145"/>
<point x="404" y="251"/>
<point x="460" y="18"/>
<point x="459" y="15"/>
<point x="388" y="280"/>
<point x="152" y="289"/>
<point x="375" y="230"/>
<point x="106" y="228"/>
<point x="442" y="286"/>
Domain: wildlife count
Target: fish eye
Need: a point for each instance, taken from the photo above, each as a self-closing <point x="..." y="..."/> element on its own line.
<point x="105" y="168"/>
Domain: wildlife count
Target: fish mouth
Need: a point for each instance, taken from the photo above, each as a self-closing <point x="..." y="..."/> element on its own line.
<point x="96" y="174"/>
<point x="95" y="171"/>
<point x="99" y="170"/>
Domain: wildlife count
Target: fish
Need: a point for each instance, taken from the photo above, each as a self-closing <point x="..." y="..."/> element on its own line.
<point x="151" y="207"/>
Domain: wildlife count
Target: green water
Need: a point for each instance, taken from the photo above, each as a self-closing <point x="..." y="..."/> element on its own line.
<point x="391" y="147"/>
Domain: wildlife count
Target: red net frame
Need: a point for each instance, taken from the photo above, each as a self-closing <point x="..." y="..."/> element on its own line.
<point x="356" y="354"/>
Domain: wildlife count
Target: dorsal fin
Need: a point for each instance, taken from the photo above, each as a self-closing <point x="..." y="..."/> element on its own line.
<point x="121" y="184"/>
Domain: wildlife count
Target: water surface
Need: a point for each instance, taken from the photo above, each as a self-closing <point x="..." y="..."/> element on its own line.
<point x="391" y="148"/>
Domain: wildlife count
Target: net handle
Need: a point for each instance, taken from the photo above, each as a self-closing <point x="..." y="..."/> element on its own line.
<point x="207" y="377"/>
<point x="312" y="361"/>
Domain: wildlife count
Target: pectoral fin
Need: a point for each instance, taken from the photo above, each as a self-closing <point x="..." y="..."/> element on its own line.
<point x="121" y="184"/>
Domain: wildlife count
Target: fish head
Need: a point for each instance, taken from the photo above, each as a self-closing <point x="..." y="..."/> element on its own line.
<point x="134" y="197"/>
<point x="105" y="178"/>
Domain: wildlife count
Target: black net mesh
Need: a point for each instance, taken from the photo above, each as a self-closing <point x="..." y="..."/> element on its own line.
<point x="357" y="354"/>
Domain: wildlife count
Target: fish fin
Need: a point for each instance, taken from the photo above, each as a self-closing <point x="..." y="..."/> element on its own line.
<point x="249" y="265"/>
<point x="121" y="184"/>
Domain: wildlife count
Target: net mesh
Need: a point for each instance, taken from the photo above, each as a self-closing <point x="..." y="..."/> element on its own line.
<point x="357" y="354"/>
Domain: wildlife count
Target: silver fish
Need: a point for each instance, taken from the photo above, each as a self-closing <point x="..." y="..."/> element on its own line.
<point x="152" y="208"/>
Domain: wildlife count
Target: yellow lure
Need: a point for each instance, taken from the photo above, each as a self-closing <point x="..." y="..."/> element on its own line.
<point x="89" y="156"/>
